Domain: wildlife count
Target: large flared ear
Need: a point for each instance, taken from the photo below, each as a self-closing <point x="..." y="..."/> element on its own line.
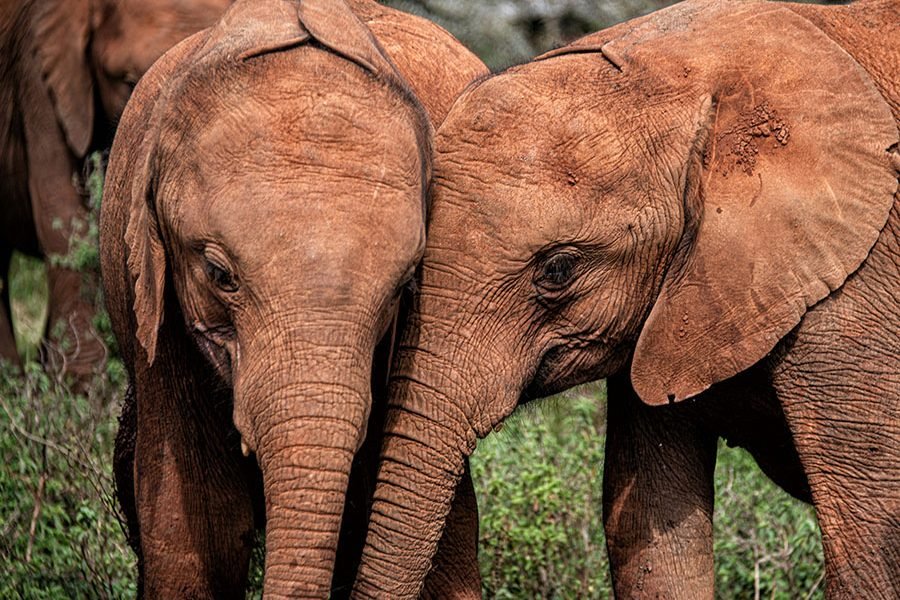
<point x="62" y="30"/>
<point x="794" y="183"/>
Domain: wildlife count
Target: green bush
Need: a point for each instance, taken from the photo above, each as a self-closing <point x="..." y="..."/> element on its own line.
<point x="60" y="535"/>
<point x="539" y="486"/>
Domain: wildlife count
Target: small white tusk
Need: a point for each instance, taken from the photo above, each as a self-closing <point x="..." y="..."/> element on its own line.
<point x="245" y="449"/>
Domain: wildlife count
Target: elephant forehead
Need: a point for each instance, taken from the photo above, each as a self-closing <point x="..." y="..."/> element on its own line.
<point x="327" y="183"/>
<point x="527" y="171"/>
<point x="314" y="143"/>
<point x="306" y="108"/>
<point x="306" y="161"/>
<point x="296" y="139"/>
<point x="364" y="228"/>
<point x="531" y="127"/>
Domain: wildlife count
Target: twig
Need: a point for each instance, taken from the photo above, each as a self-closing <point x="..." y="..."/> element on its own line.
<point x="815" y="586"/>
<point x="36" y="513"/>
<point x="18" y="430"/>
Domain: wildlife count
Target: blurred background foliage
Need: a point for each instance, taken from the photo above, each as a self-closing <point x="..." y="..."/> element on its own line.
<point x="508" y="32"/>
<point x="538" y="480"/>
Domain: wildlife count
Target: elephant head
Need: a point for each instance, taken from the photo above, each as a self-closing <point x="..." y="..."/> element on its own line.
<point x="273" y="185"/>
<point x="91" y="49"/>
<point x="673" y="194"/>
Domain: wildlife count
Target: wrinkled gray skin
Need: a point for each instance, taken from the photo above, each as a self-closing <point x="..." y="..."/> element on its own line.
<point x="263" y="213"/>
<point x="703" y="206"/>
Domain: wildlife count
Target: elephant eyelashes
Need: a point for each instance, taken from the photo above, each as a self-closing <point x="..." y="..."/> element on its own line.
<point x="220" y="276"/>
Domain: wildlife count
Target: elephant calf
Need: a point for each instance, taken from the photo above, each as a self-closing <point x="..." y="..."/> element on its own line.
<point x="702" y="205"/>
<point x="263" y="214"/>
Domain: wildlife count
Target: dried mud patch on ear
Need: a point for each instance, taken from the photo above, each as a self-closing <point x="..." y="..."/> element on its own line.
<point x="894" y="151"/>
<point x="751" y="129"/>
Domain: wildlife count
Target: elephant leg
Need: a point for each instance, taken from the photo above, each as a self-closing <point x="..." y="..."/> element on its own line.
<point x="838" y="379"/>
<point x="657" y="498"/>
<point x="846" y="425"/>
<point x="8" y="350"/>
<point x="454" y="573"/>
<point x="123" y="470"/>
<point x="71" y="345"/>
<point x="193" y="489"/>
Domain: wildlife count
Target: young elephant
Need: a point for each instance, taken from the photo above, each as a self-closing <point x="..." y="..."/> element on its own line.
<point x="264" y="209"/>
<point x="702" y="204"/>
<point x="66" y="70"/>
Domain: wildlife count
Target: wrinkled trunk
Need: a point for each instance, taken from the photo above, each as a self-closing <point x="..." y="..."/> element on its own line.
<point x="305" y="420"/>
<point x="427" y="438"/>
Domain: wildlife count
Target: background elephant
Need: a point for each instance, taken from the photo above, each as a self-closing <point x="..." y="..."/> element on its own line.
<point x="66" y="70"/>
<point x="702" y="204"/>
<point x="264" y="211"/>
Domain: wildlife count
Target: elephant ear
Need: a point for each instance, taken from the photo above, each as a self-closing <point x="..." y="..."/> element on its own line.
<point x="61" y="31"/>
<point x="251" y="28"/>
<point x="793" y="184"/>
<point x="146" y="257"/>
<point x="334" y="25"/>
<point x="129" y="191"/>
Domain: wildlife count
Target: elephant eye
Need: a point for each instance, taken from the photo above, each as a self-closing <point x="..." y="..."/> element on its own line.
<point x="220" y="276"/>
<point x="557" y="270"/>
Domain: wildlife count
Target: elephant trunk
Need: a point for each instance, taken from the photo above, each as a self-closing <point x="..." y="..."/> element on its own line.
<point x="305" y="423"/>
<point x="427" y="439"/>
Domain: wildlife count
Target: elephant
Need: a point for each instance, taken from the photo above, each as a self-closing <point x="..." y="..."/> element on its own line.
<point x="66" y="70"/>
<point x="262" y="217"/>
<point x="701" y="205"/>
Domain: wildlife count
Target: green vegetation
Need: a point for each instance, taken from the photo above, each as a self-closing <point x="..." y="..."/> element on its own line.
<point x="59" y="532"/>
<point x="539" y="486"/>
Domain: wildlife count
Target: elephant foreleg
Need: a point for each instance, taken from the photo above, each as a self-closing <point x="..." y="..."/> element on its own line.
<point x="838" y="380"/>
<point x="193" y="489"/>
<point x="72" y="345"/>
<point x="846" y="425"/>
<point x="59" y="215"/>
<point x="657" y="498"/>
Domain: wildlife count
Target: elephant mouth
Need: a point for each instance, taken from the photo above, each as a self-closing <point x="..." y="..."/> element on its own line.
<point x="572" y="362"/>
<point x="214" y="343"/>
<point x="541" y="383"/>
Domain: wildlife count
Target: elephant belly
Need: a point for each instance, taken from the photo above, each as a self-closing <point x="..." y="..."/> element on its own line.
<point x="746" y="413"/>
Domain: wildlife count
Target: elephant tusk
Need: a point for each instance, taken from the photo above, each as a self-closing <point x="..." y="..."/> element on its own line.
<point x="245" y="449"/>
